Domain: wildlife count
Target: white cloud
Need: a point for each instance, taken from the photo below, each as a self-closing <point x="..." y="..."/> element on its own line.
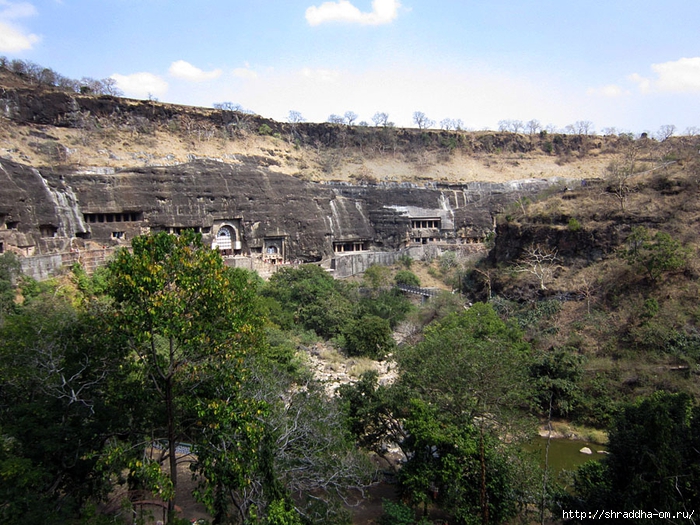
<point x="186" y="71"/>
<point x="245" y="72"/>
<point x="320" y="75"/>
<point x="13" y="38"/>
<point x="609" y="91"/>
<point x="643" y="83"/>
<point x="680" y="76"/>
<point x="141" y="85"/>
<point x="12" y="10"/>
<point x="383" y="12"/>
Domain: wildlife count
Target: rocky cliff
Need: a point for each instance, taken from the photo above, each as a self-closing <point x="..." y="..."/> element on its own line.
<point x="84" y="172"/>
<point x="243" y="208"/>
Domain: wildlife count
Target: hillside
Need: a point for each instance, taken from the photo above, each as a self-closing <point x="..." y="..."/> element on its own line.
<point x="608" y="272"/>
<point x="601" y="305"/>
<point x="44" y="126"/>
<point x="84" y="173"/>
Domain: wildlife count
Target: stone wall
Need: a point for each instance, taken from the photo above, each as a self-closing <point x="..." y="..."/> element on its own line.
<point x="350" y="264"/>
<point x="42" y="267"/>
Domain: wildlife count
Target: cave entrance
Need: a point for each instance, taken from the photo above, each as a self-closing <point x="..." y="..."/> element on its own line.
<point x="227" y="240"/>
<point x="274" y="252"/>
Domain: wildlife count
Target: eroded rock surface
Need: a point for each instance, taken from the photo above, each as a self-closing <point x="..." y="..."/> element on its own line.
<point x="244" y="209"/>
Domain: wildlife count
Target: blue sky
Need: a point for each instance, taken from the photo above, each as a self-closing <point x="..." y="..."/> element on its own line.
<point x="631" y="65"/>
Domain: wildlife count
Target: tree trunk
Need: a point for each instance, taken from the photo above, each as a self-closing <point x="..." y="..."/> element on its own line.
<point x="172" y="444"/>
<point x="172" y="432"/>
<point x="484" y="499"/>
<point x="546" y="459"/>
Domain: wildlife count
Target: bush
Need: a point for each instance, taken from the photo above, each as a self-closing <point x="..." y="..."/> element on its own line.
<point x="396" y="514"/>
<point x="448" y="260"/>
<point x="406" y="277"/>
<point x="376" y="276"/>
<point x="10" y="269"/>
<point x="391" y="305"/>
<point x="281" y="513"/>
<point x="574" y="225"/>
<point x="307" y="295"/>
<point x="655" y="255"/>
<point x="405" y="260"/>
<point x="369" y="336"/>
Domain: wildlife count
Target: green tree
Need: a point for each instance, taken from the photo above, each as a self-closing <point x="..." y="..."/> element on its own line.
<point x="396" y="514"/>
<point x="369" y="336"/>
<point x="657" y="254"/>
<point x="376" y="276"/>
<point x="472" y="370"/>
<point x="374" y="414"/>
<point x="653" y="459"/>
<point x="470" y="364"/>
<point x="9" y="271"/>
<point x="392" y="305"/>
<point x="280" y="513"/>
<point x="60" y="369"/>
<point x="327" y="315"/>
<point x="308" y="296"/>
<point x="406" y="277"/>
<point x="189" y="320"/>
<point x="556" y="374"/>
<point x="469" y="473"/>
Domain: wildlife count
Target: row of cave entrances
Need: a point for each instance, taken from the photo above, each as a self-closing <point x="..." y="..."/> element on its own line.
<point x="113" y="217"/>
<point x="227" y="241"/>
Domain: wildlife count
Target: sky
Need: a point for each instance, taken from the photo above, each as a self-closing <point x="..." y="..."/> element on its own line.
<point x="632" y="65"/>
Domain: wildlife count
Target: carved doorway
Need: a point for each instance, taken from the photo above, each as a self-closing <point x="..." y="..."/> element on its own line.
<point x="225" y="240"/>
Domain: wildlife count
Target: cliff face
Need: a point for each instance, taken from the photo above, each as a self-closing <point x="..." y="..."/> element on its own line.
<point x="242" y="208"/>
<point x="81" y="174"/>
<point x="579" y="247"/>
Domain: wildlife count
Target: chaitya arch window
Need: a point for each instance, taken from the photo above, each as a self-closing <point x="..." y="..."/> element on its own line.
<point x="224" y="238"/>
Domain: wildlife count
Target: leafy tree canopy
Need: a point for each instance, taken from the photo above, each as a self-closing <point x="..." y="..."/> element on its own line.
<point x="9" y="271"/>
<point x="654" y="453"/>
<point x="657" y="254"/>
<point x="470" y="363"/>
<point x="406" y="277"/>
<point x="369" y="336"/>
<point x="190" y="321"/>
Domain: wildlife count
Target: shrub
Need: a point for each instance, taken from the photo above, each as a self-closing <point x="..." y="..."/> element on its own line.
<point x="369" y="336"/>
<point x="281" y="513"/>
<point x="391" y="305"/>
<point x="405" y="260"/>
<point x="448" y="260"/>
<point x="406" y="277"/>
<point x="574" y="224"/>
<point x="396" y="514"/>
<point x="655" y="255"/>
<point x="376" y="276"/>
